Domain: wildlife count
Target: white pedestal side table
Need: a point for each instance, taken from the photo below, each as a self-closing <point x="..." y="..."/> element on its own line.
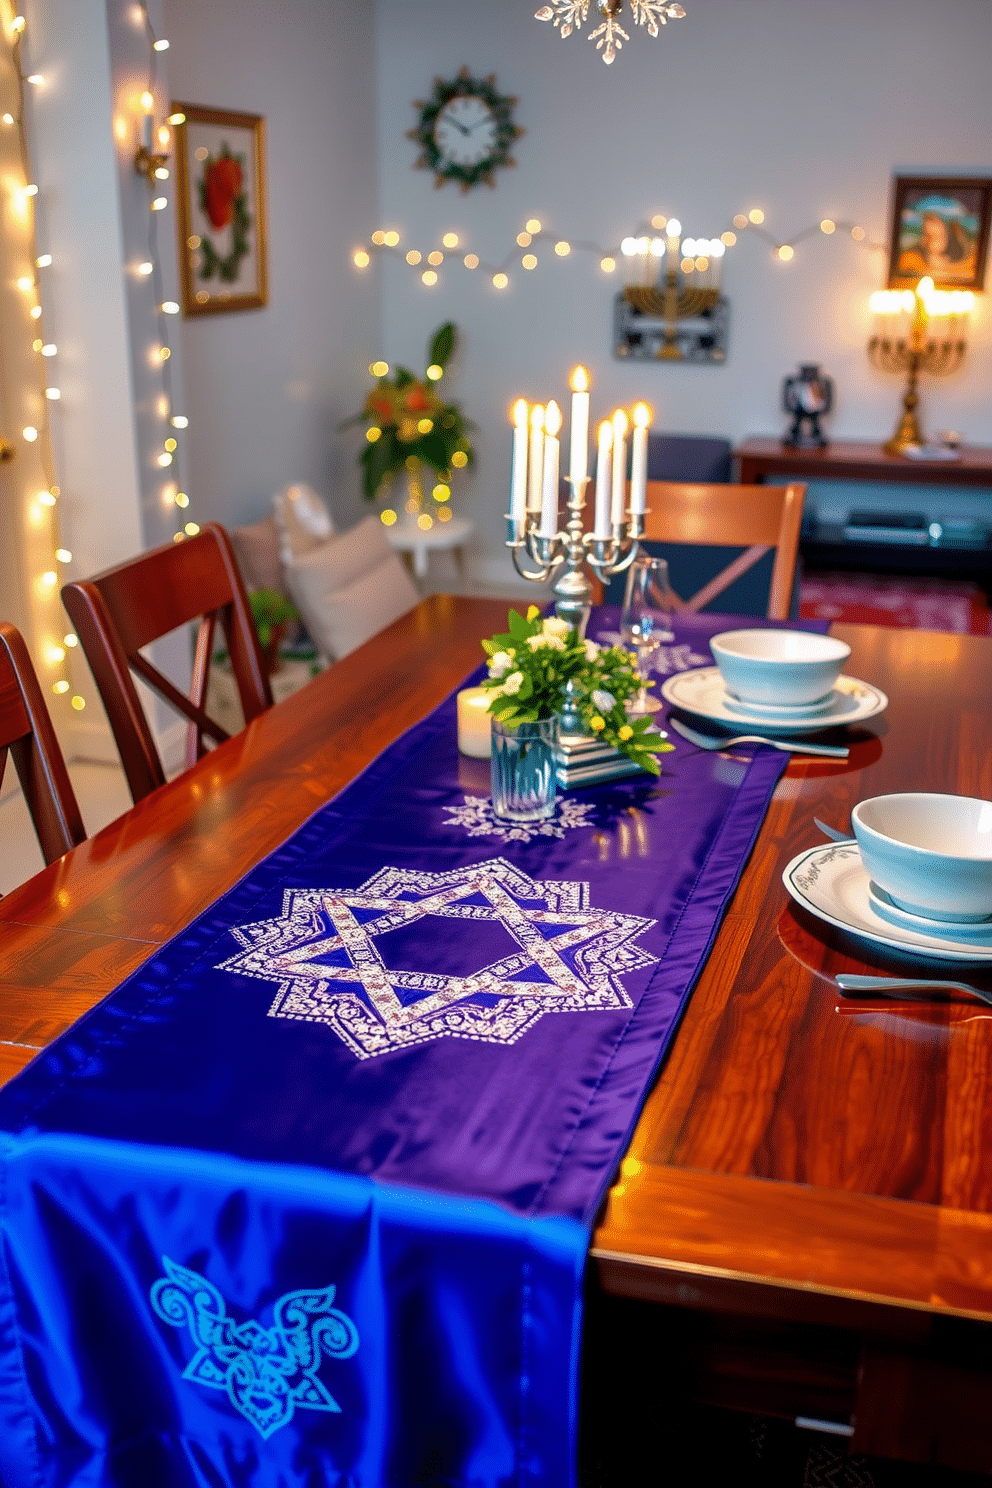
<point x="444" y="537"/>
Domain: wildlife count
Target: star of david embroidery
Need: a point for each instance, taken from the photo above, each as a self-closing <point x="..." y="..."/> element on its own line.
<point x="267" y="1373"/>
<point x="329" y="948"/>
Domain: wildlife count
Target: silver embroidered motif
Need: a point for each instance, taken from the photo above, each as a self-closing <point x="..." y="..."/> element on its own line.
<point x="324" y="954"/>
<point x="479" y="820"/>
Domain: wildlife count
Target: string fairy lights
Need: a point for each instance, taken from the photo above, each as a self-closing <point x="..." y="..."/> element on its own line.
<point x="151" y="162"/>
<point x="641" y="244"/>
<point x="53" y="646"/>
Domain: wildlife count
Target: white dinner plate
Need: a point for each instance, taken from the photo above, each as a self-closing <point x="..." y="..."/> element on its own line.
<point x="970" y="930"/>
<point x="702" y="692"/>
<point x="831" y="882"/>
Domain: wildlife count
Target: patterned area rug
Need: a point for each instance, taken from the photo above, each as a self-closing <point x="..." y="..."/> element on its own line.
<point x="954" y="605"/>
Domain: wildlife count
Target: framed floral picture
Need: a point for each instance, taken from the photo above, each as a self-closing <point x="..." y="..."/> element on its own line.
<point x="220" y="165"/>
<point x="940" y="227"/>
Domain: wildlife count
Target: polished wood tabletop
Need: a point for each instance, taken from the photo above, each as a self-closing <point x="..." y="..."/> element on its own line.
<point x="802" y="1158"/>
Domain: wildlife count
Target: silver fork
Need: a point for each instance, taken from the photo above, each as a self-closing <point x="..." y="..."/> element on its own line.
<point x="879" y="986"/>
<point x="787" y="746"/>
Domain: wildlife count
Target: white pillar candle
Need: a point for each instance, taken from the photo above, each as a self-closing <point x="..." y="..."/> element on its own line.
<point x="518" y="479"/>
<point x="474" y="722"/>
<point x="639" y="458"/>
<point x="601" y="527"/>
<point x="536" y="457"/>
<point x="578" y="463"/>
<point x="549" y="488"/>
<point x="619" y="465"/>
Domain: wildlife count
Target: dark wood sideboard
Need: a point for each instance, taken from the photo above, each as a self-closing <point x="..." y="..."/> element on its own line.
<point x="824" y="545"/>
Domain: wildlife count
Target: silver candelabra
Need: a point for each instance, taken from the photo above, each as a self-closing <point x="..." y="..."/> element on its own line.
<point x="571" y="550"/>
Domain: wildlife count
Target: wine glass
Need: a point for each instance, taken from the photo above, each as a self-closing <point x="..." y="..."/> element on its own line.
<point x="646" y="620"/>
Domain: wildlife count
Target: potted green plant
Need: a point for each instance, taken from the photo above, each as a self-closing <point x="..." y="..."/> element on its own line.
<point x="409" y="426"/>
<point x="271" y="612"/>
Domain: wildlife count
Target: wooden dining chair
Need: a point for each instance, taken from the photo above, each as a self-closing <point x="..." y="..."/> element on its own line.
<point x="26" y="731"/>
<point x="744" y="527"/>
<point x="119" y="612"/>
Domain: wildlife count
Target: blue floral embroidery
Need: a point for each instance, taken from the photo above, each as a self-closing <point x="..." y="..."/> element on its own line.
<point x="267" y="1372"/>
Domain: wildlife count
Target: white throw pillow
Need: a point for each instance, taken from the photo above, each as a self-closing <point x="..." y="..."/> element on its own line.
<point x="350" y="588"/>
<point x="302" y="519"/>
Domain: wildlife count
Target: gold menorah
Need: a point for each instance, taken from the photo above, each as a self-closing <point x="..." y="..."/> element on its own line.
<point x="671" y="304"/>
<point x="916" y="351"/>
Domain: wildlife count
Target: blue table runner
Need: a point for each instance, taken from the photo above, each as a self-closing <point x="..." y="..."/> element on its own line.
<point x="306" y="1201"/>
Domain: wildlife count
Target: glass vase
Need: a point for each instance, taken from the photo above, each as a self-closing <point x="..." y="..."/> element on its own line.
<point x="524" y="780"/>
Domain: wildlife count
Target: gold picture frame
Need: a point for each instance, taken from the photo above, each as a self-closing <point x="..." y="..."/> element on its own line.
<point x="940" y="227"/>
<point x="220" y="168"/>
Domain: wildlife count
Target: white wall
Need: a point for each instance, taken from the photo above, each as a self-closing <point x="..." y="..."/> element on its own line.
<point x="266" y="389"/>
<point x="79" y="223"/>
<point x="147" y="235"/>
<point x="803" y="110"/>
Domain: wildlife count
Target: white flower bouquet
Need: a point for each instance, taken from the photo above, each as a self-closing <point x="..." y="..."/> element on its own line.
<point x="531" y="665"/>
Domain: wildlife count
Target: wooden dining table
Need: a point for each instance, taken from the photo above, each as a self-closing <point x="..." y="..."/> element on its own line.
<point x="803" y="1220"/>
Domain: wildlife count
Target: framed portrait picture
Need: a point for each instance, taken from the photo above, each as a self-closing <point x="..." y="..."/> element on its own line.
<point x="940" y="227"/>
<point x="220" y="165"/>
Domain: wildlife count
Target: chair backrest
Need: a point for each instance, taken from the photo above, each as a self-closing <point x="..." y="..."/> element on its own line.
<point x="26" y="731"/>
<point x="762" y="522"/>
<point x="689" y="457"/>
<point x="126" y="608"/>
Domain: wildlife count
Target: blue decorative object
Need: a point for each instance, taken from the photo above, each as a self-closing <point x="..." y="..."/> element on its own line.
<point x="267" y="1372"/>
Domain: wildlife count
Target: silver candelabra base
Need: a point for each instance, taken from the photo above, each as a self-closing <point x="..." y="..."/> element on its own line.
<point x="571" y="550"/>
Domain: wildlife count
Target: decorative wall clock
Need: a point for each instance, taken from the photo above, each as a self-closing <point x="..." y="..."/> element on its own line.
<point x="465" y="131"/>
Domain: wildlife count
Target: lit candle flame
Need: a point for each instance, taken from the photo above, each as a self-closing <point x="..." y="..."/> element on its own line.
<point x="619" y="424"/>
<point x="642" y="415"/>
<point x="552" y="419"/>
<point x="579" y="380"/>
<point x="520" y="413"/>
<point x="537" y="416"/>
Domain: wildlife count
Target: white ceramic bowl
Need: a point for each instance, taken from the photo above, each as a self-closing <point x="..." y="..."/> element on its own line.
<point x="787" y="667"/>
<point x="931" y="854"/>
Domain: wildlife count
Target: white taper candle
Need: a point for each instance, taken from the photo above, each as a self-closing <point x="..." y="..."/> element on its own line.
<point x="601" y="526"/>
<point x="549" y="488"/>
<point x="518" y="478"/>
<point x="578" y="465"/>
<point x="619" y="465"/>
<point x="639" y="458"/>
<point x="536" y="457"/>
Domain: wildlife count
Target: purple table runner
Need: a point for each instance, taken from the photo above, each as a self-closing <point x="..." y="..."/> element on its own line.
<point x="306" y="1201"/>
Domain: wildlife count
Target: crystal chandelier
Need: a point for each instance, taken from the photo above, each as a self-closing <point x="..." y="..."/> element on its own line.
<point x="609" y="37"/>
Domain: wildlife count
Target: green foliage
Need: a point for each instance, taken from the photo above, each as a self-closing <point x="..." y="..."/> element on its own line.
<point x="443" y="344"/>
<point x="269" y="608"/>
<point x="395" y="411"/>
<point x="531" y="664"/>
